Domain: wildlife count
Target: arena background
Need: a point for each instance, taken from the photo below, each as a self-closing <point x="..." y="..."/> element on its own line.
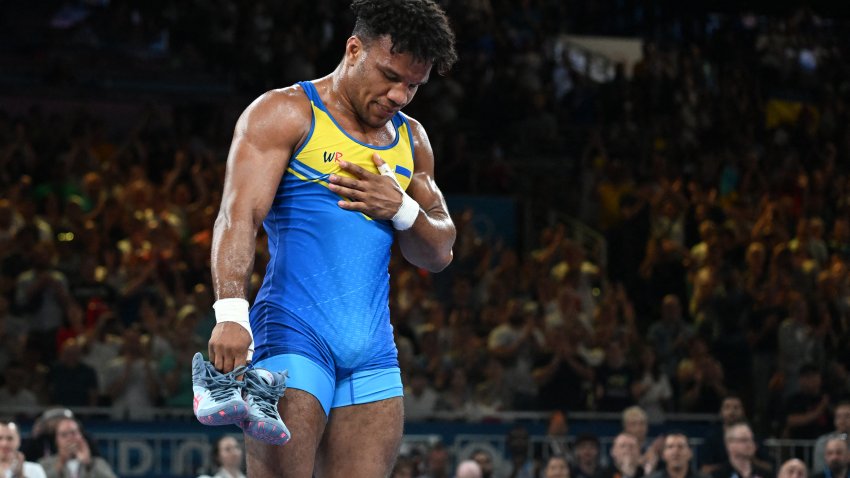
<point x="598" y="158"/>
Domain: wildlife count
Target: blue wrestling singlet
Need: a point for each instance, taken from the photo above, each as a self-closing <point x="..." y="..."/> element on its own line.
<point x="323" y="309"/>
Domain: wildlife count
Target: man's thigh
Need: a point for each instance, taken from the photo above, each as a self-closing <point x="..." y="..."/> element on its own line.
<point x="303" y="415"/>
<point x="361" y="441"/>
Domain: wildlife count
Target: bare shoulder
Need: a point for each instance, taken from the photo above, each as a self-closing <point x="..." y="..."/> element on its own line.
<point x="420" y="137"/>
<point x="423" y="155"/>
<point x="277" y="119"/>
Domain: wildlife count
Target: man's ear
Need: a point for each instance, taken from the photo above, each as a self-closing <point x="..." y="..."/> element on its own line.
<point x="353" y="49"/>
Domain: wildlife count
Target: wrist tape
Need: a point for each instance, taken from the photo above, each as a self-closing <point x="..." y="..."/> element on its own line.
<point x="235" y="310"/>
<point x="409" y="209"/>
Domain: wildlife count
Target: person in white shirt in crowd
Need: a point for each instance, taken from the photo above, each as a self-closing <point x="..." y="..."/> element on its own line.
<point x="420" y="398"/>
<point x="12" y="461"/>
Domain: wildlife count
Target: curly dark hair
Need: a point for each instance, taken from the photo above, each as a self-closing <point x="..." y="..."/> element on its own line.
<point x="418" y="27"/>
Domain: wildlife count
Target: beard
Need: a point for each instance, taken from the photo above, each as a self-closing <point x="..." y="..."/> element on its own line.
<point x="838" y="469"/>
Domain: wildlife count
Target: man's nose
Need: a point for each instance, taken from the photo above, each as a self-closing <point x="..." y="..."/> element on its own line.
<point x="398" y="94"/>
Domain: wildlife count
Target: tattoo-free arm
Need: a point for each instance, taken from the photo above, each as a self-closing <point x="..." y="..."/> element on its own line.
<point x="264" y="137"/>
<point x="429" y="242"/>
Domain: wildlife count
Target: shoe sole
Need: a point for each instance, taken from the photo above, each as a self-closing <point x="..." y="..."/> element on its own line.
<point x="270" y="433"/>
<point x="227" y="414"/>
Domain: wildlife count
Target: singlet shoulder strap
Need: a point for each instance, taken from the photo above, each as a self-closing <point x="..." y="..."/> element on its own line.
<point x="312" y="93"/>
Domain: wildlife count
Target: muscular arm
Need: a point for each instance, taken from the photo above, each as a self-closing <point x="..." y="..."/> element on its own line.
<point x="429" y="242"/>
<point x="264" y="137"/>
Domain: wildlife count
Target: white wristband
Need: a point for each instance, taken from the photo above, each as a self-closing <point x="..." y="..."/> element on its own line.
<point x="235" y="310"/>
<point x="409" y="209"/>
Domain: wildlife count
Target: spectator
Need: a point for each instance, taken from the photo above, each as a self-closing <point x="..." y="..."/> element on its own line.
<point x="15" y="392"/>
<point x="714" y="450"/>
<point x="836" y="458"/>
<point x="403" y="469"/>
<point x="420" y="398"/>
<point x="807" y="411"/>
<point x="798" y="344"/>
<point x="625" y="457"/>
<point x="42" y="293"/>
<point x="227" y="458"/>
<point x="560" y="371"/>
<point x="494" y="393"/>
<point x="73" y="458"/>
<point x="13" y="464"/>
<point x="556" y="467"/>
<point x="741" y="448"/>
<point x="841" y="421"/>
<point x="635" y="423"/>
<point x="71" y="382"/>
<point x="614" y="379"/>
<point x="557" y="439"/>
<point x="41" y="442"/>
<point x="515" y="342"/>
<point x="102" y="347"/>
<point x="130" y="379"/>
<point x="677" y="456"/>
<point x="468" y="469"/>
<point x="522" y="464"/>
<point x="437" y="462"/>
<point x="13" y="334"/>
<point x="652" y="388"/>
<point x="839" y="242"/>
<point x="586" y="463"/>
<point x="175" y="366"/>
<point x="457" y="399"/>
<point x="793" y="468"/>
<point x="485" y="462"/>
<point x="700" y="377"/>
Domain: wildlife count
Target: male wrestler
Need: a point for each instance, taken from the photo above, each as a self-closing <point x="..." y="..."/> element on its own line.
<point x="334" y="172"/>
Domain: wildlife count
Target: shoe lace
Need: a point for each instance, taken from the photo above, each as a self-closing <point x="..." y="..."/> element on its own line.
<point x="220" y="384"/>
<point x="267" y="394"/>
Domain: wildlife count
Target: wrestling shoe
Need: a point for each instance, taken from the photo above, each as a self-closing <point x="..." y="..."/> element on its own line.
<point x="262" y="391"/>
<point x="218" y="396"/>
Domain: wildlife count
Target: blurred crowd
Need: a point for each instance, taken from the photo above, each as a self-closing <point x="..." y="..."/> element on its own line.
<point x="716" y="169"/>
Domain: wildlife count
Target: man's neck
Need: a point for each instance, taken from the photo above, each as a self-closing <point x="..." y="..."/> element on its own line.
<point x="842" y="473"/>
<point x="629" y="470"/>
<point x="340" y="101"/>
<point x="680" y="472"/>
<point x="742" y="466"/>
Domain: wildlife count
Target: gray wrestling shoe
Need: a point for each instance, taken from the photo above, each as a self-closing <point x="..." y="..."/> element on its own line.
<point x="263" y="389"/>
<point x="218" y="396"/>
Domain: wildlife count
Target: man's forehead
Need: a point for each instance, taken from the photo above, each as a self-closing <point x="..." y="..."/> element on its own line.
<point x="403" y="63"/>
<point x="836" y="443"/>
